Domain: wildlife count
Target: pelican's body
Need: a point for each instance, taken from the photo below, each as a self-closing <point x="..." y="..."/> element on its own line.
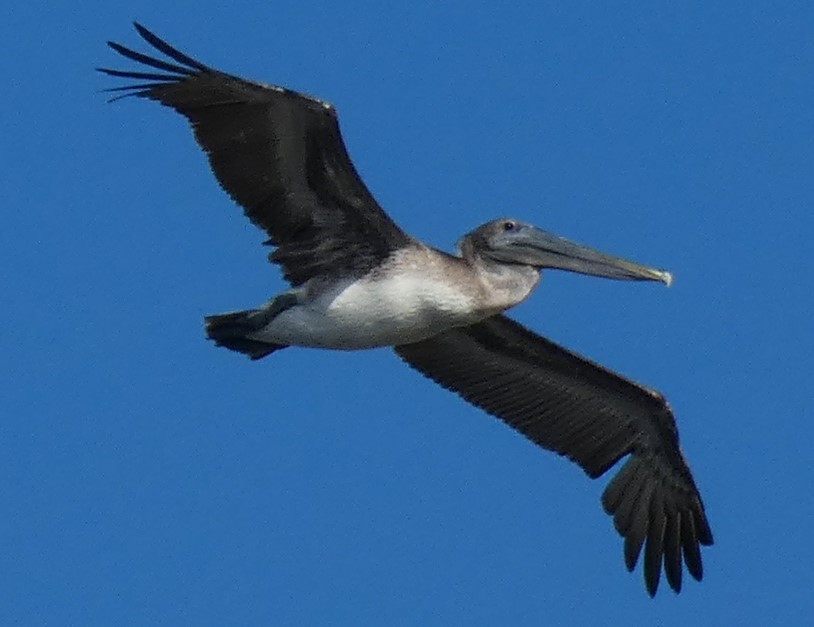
<point x="415" y="294"/>
<point x="358" y="281"/>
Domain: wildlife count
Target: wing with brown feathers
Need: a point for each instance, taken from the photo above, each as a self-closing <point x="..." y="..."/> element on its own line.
<point x="591" y="415"/>
<point x="280" y="155"/>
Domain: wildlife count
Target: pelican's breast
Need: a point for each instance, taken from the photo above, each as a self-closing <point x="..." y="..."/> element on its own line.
<point x="410" y="298"/>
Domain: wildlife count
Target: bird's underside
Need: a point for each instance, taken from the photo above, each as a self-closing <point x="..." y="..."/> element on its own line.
<point x="359" y="281"/>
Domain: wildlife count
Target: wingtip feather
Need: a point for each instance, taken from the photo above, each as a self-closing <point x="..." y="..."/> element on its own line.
<point x="159" y="44"/>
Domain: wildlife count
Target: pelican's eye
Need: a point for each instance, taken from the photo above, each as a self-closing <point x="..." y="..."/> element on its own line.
<point x="509" y="225"/>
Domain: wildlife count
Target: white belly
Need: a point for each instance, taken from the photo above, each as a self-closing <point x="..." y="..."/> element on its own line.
<point x="368" y="313"/>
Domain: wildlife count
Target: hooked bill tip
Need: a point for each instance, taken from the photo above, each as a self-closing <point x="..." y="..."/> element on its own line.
<point x="667" y="278"/>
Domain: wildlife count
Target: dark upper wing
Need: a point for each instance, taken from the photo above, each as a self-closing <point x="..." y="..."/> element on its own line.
<point x="591" y="415"/>
<point x="280" y="155"/>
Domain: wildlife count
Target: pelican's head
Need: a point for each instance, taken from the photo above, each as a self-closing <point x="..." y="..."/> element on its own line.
<point x="510" y="241"/>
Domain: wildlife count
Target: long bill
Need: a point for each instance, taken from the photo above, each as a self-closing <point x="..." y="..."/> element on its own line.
<point x="545" y="250"/>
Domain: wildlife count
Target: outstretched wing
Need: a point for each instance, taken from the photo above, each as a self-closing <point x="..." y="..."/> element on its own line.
<point x="589" y="414"/>
<point x="280" y="155"/>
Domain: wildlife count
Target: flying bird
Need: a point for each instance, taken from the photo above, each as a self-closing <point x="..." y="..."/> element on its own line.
<point x="359" y="281"/>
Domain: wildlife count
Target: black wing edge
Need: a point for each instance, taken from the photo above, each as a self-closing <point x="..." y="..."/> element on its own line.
<point x="173" y="71"/>
<point x="668" y="520"/>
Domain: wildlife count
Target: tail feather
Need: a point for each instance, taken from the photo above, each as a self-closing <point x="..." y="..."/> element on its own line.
<point x="232" y="330"/>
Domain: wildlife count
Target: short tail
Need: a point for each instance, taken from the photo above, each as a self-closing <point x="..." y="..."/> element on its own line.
<point x="232" y="330"/>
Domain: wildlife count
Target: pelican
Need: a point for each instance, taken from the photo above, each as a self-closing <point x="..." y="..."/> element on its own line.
<point x="359" y="281"/>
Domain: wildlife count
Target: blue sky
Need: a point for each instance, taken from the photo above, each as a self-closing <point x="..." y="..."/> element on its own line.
<point x="147" y="477"/>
